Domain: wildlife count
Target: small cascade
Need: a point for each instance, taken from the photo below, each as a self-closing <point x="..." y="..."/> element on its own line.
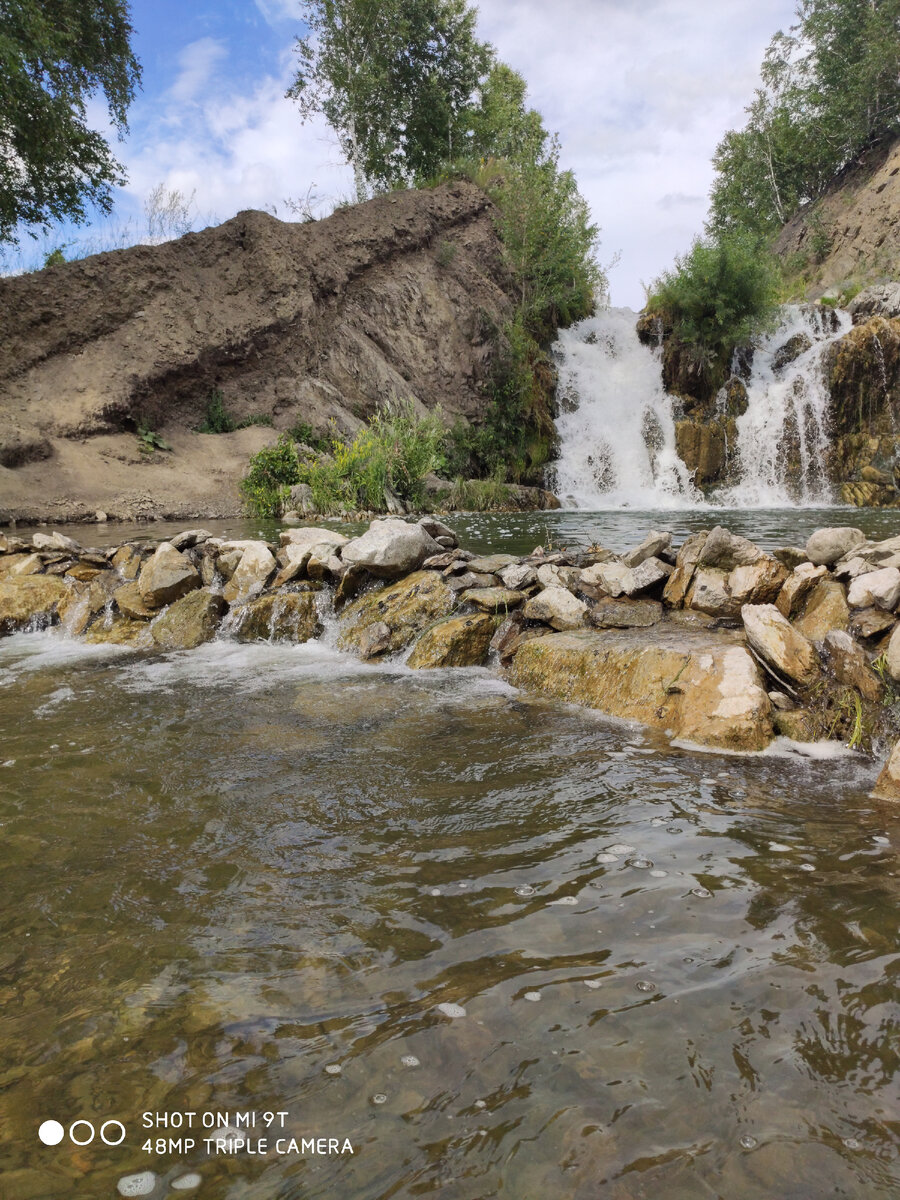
<point x="783" y="437"/>
<point x="616" y="426"/>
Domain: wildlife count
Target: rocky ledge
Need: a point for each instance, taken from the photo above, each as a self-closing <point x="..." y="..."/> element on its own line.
<point x="716" y="643"/>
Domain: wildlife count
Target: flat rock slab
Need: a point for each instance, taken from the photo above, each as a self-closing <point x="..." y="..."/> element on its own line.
<point x="697" y="686"/>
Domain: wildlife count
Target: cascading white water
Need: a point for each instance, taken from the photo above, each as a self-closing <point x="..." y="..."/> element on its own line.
<point x="617" y="423"/>
<point x="783" y="437"/>
<point x="616" y="429"/>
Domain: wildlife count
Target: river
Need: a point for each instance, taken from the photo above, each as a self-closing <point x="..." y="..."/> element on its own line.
<point x="244" y="879"/>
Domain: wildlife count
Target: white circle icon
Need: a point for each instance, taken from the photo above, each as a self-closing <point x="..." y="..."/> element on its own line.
<point x="90" y="1137"/>
<point x="115" y="1125"/>
<point x="51" y="1133"/>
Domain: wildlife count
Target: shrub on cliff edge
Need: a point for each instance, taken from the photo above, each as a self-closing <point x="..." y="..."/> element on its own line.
<point x="718" y="296"/>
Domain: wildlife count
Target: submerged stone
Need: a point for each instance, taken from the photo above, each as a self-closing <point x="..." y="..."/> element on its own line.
<point x="699" y="688"/>
<point x="120" y="631"/>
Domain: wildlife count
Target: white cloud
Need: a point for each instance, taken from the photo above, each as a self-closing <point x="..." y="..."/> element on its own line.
<point x="197" y="63"/>
<point x="640" y="94"/>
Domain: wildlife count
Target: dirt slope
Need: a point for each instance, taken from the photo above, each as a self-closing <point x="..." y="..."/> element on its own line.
<point x="852" y="235"/>
<point x="398" y="297"/>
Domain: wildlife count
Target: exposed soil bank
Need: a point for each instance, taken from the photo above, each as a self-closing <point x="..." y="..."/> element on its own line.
<point x="297" y="323"/>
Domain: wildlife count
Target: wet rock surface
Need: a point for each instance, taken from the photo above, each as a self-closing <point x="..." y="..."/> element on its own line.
<point x="693" y="639"/>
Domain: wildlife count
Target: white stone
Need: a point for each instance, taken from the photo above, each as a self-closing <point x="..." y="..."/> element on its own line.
<point x="53" y="541"/>
<point x="391" y="548"/>
<point x="875" y="589"/>
<point x="651" y="547"/>
<point x="826" y="546"/>
<point x="779" y="644"/>
<point x="249" y="578"/>
<point x="310" y="535"/>
<point x="136" y="1185"/>
<point x="518" y="576"/>
<point x="556" y="606"/>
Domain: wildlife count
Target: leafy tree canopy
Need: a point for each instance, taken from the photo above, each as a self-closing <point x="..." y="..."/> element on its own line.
<point x="54" y="56"/>
<point x="830" y="88"/>
<point x="394" y="79"/>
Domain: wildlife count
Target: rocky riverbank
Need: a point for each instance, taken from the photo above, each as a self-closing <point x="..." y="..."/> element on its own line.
<point x="714" y="642"/>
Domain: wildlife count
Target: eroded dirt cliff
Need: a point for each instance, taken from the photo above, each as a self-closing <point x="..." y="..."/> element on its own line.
<point x="301" y="323"/>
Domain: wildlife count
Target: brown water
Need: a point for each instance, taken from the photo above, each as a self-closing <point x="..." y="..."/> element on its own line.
<point x="226" y="870"/>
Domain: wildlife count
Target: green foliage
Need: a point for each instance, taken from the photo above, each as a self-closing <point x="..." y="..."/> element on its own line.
<point x="54" y="257"/>
<point x="149" y="440"/>
<point x="718" y="296"/>
<point x="395" y="451"/>
<point x="303" y="432"/>
<point x="55" y="56"/>
<point x="394" y="80"/>
<point x="273" y="472"/>
<point x="219" y="420"/>
<point x="479" y="495"/>
<point x="831" y="87"/>
<point x="446" y="252"/>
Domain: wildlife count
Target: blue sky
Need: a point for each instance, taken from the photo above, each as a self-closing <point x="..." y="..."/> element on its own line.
<point x="640" y="93"/>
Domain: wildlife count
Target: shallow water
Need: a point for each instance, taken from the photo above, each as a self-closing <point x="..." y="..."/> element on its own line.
<point x="229" y="872"/>
<point x="224" y="871"/>
<point x="518" y="533"/>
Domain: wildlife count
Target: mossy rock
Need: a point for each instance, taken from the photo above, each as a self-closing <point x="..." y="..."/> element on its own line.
<point x="455" y="642"/>
<point x="189" y="622"/>
<point x="120" y="631"/>
<point x="30" y="600"/>
<point x="278" y="617"/>
<point x="406" y="607"/>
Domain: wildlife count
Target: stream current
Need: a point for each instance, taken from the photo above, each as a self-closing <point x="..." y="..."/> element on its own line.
<point x="504" y="946"/>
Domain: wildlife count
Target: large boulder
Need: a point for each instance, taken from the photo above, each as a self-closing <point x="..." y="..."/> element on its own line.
<point x="557" y="607"/>
<point x="251" y="574"/>
<point x="278" y="617"/>
<point x="311" y="535"/>
<point x="626" y="614"/>
<point x="847" y="661"/>
<point x="653" y="545"/>
<point x="697" y="687"/>
<point x="826" y="546"/>
<point x="797" y="587"/>
<point x="407" y="607"/>
<point x="454" y="642"/>
<point x="679" y="582"/>
<point x="166" y="576"/>
<point x="788" y="653"/>
<point x="189" y="622"/>
<point x="757" y="583"/>
<point x="391" y="548"/>
<point x="129" y="601"/>
<point x="875" y="589"/>
<point x="726" y="550"/>
<point x="709" y="593"/>
<point x="30" y="601"/>
<point x="825" y="609"/>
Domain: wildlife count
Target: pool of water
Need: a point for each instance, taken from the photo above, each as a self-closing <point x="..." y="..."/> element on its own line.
<point x="518" y="533"/>
<point x="503" y="946"/>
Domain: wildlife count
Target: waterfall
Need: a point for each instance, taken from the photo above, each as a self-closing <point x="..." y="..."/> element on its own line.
<point x="616" y="427"/>
<point x="783" y="438"/>
<point x="617" y="424"/>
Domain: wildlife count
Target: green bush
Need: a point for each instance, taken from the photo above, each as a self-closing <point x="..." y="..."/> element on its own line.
<point x="273" y="472"/>
<point x="479" y="495"/>
<point x="395" y="451"/>
<point x="219" y="420"/>
<point x="718" y="296"/>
